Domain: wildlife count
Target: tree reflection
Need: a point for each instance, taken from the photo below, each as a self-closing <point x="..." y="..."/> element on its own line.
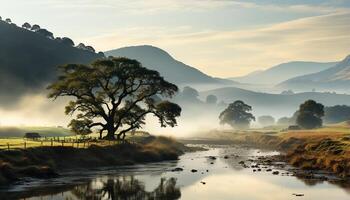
<point x="127" y="187"/>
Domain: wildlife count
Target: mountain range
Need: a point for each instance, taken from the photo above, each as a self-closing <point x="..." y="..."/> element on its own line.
<point x="282" y="72"/>
<point x="172" y="69"/>
<point x="275" y="104"/>
<point x="28" y="61"/>
<point x="336" y="78"/>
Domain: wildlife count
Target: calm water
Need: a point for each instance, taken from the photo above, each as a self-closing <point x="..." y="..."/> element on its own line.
<point x="215" y="179"/>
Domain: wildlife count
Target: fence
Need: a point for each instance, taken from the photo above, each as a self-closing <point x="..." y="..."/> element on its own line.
<point x="21" y="143"/>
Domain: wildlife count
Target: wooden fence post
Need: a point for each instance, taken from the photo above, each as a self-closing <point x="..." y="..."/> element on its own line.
<point x="62" y="143"/>
<point x="25" y="145"/>
<point x="8" y="146"/>
<point x="51" y="143"/>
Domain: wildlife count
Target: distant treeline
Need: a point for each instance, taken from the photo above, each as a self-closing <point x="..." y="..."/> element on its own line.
<point x="332" y="115"/>
<point x="44" y="32"/>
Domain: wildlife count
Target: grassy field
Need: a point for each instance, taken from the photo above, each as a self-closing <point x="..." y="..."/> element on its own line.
<point x="45" y="162"/>
<point x="51" y="136"/>
<point x="19" y="131"/>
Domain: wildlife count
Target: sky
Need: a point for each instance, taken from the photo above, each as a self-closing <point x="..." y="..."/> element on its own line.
<point x="223" y="38"/>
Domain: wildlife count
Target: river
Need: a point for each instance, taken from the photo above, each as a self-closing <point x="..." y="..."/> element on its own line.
<point x="221" y="177"/>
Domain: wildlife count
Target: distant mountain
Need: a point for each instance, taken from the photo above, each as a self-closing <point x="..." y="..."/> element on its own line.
<point x="275" y="104"/>
<point x="336" y="78"/>
<point x="172" y="70"/>
<point x="282" y="72"/>
<point x="28" y="60"/>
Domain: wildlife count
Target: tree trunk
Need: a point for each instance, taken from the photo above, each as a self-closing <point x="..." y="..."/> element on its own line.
<point x="110" y="135"/>
<point x="101" y="131"/>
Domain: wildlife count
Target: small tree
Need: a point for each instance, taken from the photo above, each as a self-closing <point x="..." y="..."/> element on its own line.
<point x="266" y="120"/>
<point x="90" y="48"/>
<point x="114" y="94"/>
<point x="45" y="33"/>
<point x="26" y="26"/>
<point x="35" y="28"/>
<point x="189" y="93"/>
<point x="67" y="41"/>
<point x="310" y="115"/>
<point x="8" y="20"/>
<point x="237" y="115"/>
<point x="211" y="99"/>
<point x="81" y="46"/>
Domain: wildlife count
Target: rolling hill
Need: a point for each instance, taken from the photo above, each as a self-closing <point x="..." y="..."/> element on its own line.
<point x="172" y="70"/>
<point x="282" y="72"/>
<point x="336" y="78"/>
<point x="28" y="60"/>
<point x="275" y="104"/>
<point x="20" y="131"/>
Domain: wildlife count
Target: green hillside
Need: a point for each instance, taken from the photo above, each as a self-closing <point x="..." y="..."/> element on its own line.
<point x="28" y="60"/>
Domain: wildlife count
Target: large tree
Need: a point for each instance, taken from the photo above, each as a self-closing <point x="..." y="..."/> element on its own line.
<point x="310" y="115"/>
<point x="237" y="115"/>
<point x="115" y="95"/>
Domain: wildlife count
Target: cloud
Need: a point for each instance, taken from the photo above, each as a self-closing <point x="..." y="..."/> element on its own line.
<point x="231" y="52"/>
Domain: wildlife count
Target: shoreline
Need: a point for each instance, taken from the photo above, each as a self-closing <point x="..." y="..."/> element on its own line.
<point x="47" y="162"/>
<point x="306" y="152"/>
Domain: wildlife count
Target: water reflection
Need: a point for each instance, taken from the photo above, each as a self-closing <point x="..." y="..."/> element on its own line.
<point x="126" y="187"/>
<point x="219" y="176"/>
<point x="118" y="188"/>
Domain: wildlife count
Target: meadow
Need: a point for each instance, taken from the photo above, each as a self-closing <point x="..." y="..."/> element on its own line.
<point x="13" y="138"/>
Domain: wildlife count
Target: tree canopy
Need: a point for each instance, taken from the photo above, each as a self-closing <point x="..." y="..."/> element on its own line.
<point x="66" y="41"/>
<point x="310" y="115"/>
<point x="45" y="33"/>
<point x="35" y="27"/>
<point x="115" y="95"/>
<point x="26" y="25"/>
<point x="237" y="115"/>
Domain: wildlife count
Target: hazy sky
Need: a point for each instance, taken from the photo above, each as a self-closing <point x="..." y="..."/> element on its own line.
<point x="220" y="37"/>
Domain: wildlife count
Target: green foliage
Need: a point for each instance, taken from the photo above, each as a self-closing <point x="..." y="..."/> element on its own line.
<point x="310" y="115"/>
<point x="115" y="94"/>
<point x="81" y="127"/>
<point x="237" y="115"/>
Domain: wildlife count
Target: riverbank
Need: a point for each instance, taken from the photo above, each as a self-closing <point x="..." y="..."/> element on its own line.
<point x="46" y="162"/>
<point x="327" y="148"/>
